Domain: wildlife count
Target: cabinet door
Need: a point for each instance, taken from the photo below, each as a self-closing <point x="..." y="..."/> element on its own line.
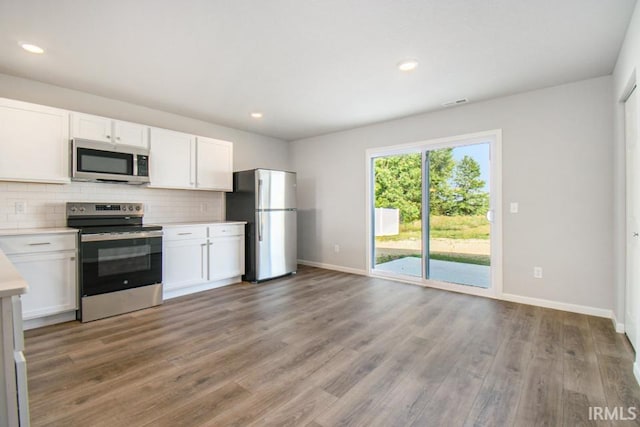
<point x="131" y="134"/>
<point x="185" y="263"/>
<point x="95" y="128"/>
<point x="215" y="164"/>
<point x="52" y="283"/>
<point x="34" y="142"/>
<point x="226" y="257"/>
<point x="172" y="159"/>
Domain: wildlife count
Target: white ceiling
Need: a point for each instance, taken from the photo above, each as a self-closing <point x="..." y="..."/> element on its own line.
<point x="311" y="66"/>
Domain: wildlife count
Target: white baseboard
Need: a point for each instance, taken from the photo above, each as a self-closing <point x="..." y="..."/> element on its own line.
<point x="636" y="371"/>
<point x="333" y="267"/>
<point x="618" y="326"/>
<point x="49" y="320"/>
<point x="174" y="293"/>
<point x="574" y="308"/>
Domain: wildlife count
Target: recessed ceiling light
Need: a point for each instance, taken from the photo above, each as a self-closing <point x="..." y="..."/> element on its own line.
<point x="409" y="64"/>
<point x="32" y="48"/>
<point x="256" y="115"/>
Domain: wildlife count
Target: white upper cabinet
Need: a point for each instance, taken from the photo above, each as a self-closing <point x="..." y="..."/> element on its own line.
<point x="180" y="160"/>
<point x="34" y="142"/>
<point x="131" y="134"/>
<point x="172" y="159"/>
<point x="96" y="128"/>
<point x="214" y="164"/>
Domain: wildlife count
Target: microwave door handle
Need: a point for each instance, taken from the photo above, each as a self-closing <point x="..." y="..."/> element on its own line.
<point x="135" y="165"/>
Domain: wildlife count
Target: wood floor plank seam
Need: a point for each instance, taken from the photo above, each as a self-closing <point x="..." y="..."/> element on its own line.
<point x="325" y="348"/>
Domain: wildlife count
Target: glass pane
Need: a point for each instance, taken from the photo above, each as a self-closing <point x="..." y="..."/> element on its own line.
<point x="121" y="260"/>
<point x="105" y="162"/>
<point x="398" y="214"/>
<point x="459" y="229"/>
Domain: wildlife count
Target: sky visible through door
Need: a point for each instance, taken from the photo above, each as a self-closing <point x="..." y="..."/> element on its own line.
<point x="457" y="230"/>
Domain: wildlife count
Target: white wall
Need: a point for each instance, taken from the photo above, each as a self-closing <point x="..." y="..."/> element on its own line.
<point x="625" y="73"/>
<point x="557" y="163"/>
<point x="251" y="150"/>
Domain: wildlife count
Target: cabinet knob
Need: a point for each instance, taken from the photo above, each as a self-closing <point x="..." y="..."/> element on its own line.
<point x="108" y="136"/>
<point x="118" y="138"/>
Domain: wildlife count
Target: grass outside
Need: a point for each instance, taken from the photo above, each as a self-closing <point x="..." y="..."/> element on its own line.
<point x="449" y="227"/>
<point x="441" y="256"/>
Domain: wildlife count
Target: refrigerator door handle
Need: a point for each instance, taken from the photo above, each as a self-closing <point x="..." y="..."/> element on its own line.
<point x="260" y="226"/>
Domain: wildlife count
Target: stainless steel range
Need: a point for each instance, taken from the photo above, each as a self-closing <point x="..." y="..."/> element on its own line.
<point x="120" y="259"/>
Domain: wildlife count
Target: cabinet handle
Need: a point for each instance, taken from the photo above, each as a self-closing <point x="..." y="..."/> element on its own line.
<point x="202" y="260"/>
<point x="39" y="244"/>
<point x="108" y="136"/>
<point x="184" y="234"/>
<point x="118" y="138"/>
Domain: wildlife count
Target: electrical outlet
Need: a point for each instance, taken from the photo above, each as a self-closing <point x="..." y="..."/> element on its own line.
<point x="336" y="248"/>
<point x="21" y="207"/>
<point x="537" y="272"/>
<point x="513" y="207"/>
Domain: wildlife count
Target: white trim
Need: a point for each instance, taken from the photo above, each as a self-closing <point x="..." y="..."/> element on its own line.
<point x="53" y="319"/>
<point x="333" y="267"/>
<point x="574" y="308"/>
<point x="469" y="138"/>
<point x="618" y="326"/>
<point x="444" y="286"/>
<point x="495" y="138"/>
<point x="636" y="371"/>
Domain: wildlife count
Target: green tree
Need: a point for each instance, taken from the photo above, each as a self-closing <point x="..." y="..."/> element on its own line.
<point x="398" y="185"/>
<point x="441" y="165"/>
<point x="469" y="195"/>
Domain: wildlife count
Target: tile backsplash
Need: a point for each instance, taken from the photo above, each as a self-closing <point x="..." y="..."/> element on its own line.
<point x="44" y="204"/>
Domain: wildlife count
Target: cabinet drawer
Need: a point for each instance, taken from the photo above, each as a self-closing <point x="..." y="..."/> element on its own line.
<point x="38" y="243"/>
<point x="184" y="233"/>
<point x="226" y="230"/>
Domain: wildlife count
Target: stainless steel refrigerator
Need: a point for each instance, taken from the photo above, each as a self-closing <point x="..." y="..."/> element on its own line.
<point x="266" y="199"/>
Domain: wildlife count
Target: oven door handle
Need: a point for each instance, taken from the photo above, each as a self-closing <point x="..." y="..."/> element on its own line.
<point x="103" y="237"/>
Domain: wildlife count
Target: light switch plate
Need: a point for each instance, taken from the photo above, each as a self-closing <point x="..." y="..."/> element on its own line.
<point x="513" y="207"/>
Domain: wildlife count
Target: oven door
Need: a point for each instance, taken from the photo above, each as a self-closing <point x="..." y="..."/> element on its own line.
<point x="122" y="261"/>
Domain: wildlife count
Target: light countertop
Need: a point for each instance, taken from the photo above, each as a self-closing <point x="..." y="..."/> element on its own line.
<point x="26" y="231"/>
<point x="11" y="282"/>
<point x="180" y="224"/>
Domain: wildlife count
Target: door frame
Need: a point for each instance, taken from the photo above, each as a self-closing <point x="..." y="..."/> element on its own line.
<point x="628" y="239"/>
<point x="494" y="137"/>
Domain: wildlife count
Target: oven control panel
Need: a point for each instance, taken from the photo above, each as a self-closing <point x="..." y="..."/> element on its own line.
<point x="104" y="209"/>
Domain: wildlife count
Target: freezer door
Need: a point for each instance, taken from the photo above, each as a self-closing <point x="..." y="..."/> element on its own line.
<point x="276" y="189"/>
<point x="276" y="243"/>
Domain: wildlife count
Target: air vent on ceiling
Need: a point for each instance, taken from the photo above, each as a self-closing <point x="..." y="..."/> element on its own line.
<point x="456" y="102"/>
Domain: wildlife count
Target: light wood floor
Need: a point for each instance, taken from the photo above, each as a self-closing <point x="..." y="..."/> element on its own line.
<point x="324" y="349"/>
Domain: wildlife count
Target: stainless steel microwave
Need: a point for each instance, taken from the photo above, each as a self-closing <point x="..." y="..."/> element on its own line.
<point x="103" y="161"/>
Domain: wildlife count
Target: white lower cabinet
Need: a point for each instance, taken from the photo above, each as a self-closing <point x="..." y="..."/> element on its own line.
<point x="201" y="257"/>
<point x="52" y="283"/>
<point x="48" y="264"/>
<point x="185" y="263"/>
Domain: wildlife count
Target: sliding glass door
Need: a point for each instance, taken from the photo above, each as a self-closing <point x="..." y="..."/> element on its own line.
<point x="397" y="213"/>
<point x="459" y="214"/>
<point x="431" y="211"/>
